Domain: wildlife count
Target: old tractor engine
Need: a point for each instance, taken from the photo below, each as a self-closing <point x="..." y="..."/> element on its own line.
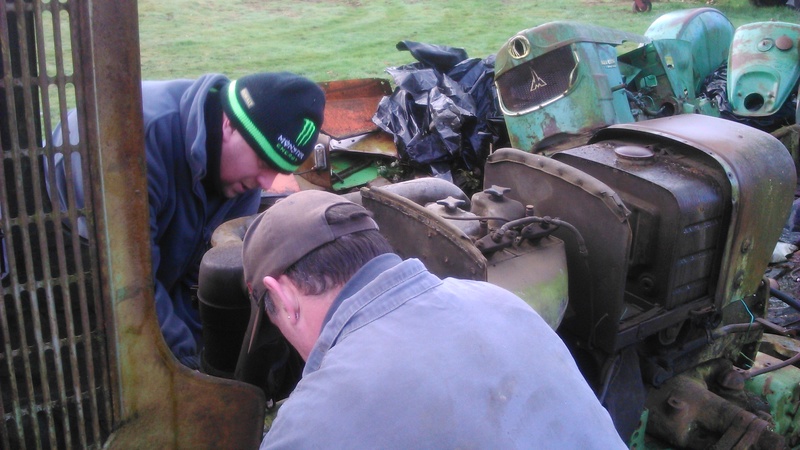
<point x="679" y="234"/>
<point x="645" y="249"/>
<point x="668" y="226"/>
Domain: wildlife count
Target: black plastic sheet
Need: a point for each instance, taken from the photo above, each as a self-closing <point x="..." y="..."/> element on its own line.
<point x="444" y="113"/>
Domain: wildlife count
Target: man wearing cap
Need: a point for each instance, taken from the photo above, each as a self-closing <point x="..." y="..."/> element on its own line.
<point x="211" y="144"/>
<point x="399" y="358"/>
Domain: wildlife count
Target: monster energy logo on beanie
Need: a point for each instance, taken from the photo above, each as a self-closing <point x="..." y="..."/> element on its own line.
<point x="278" y="114"/>
<point x="306" y="133"/>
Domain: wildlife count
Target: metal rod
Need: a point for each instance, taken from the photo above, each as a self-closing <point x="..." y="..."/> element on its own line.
<point x="785" y="298"/>
<point x="748" y="374"/>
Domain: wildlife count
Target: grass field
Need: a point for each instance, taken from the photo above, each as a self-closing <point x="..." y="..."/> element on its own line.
<point x="339" y="39"/>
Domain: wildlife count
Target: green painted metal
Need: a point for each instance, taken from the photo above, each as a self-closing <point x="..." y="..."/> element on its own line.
<point x="662" y="71"/>
<point x="350" y="170"/>
<point x="552" y="35"/>
<point x="708" y="32"/>
<point x="781" y="389"/>
<point x="560" y="81"/>
<point x="763" y="67"/>
<point x="537" y="273"/>
<point x="637" y="439"/>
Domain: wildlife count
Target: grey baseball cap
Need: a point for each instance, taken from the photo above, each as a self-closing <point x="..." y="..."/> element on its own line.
<point x="293" y="227"/>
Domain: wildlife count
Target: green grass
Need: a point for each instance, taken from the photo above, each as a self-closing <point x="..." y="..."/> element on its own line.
<point x="340" y="39"/>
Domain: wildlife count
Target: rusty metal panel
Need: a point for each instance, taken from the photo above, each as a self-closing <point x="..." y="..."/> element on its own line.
<point x="763" y="67"/>
<point x="679" y="210"/>
<point x="685" y="413"/>
<point x="758" y="167"/>
<point x="82" y="360"/>
<point x="350" y="105"/>
<point x="597" y="280"/>
<point x="351" y="144"/>
<point x="415" y="232"/>
<point x="161" y="403"/>
<point x="55" y="382"/>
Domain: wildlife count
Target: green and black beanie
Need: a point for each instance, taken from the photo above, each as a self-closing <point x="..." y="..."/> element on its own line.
<point x="278" y="114"/>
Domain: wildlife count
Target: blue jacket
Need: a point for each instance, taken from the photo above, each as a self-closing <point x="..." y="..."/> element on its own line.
<point x="408" y="360"/>
<point x="182" y="216"/>
<point x="181" y="219"/>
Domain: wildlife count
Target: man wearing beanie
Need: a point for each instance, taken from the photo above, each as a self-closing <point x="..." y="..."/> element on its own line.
<point x="399" y="358"/>
<point x="212" y="144"/>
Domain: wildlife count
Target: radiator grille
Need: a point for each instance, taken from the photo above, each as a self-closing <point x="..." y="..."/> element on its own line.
<point x="538" y="81"/>
<point x="54" y="371"/>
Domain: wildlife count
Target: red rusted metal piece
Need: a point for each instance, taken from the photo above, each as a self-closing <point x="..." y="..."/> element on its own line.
<point x="350" y="105"/>
<point x="686" y="413"/>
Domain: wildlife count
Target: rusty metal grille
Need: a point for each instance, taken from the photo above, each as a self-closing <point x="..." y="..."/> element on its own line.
<point x="55" y="384"/>
<point x="538" y="81"/>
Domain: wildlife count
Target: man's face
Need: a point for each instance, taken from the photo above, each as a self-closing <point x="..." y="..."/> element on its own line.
<point x="241" y="170"/>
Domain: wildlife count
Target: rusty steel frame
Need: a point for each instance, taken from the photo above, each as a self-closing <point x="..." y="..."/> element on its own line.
<point x="132" y="392"/>
<point x="53" y="355"/>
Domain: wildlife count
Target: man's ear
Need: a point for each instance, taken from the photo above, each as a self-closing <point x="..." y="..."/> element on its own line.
<point x="284" y="294"/>
<point x="227" y="127"/>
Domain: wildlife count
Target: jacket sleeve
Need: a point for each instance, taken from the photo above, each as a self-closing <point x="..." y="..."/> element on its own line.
<point x="176" y="333"/>
<point x="160" y="186"/>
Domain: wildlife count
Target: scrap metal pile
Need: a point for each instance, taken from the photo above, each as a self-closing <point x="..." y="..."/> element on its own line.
<point x="656" y="171"/>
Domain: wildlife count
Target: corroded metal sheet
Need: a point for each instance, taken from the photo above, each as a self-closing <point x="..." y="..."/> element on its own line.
<point x="351" y="146"/>
<point x="547" y="37"/>
<point x="56" y="385"/>
<point x="414" y="231"/>
<point x="82" y="360"/>
<point x="350" y="105"/>
<point x="763" y="67"/>
<point x="596" y="279"/>
<point x="758" y="167"/>
<point x="559" y="82"/>
<point x="537" y="273"/>
<point x="685" y="413"/>
<point x="161" y="403"/>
